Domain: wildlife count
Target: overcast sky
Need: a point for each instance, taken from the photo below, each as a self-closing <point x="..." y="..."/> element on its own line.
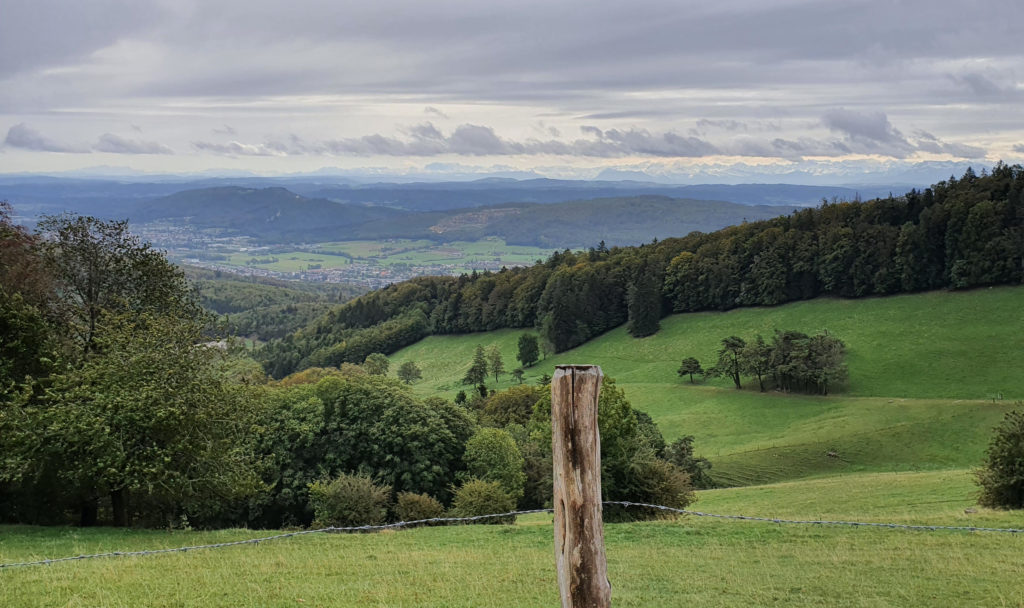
<point x="564" y="88"/>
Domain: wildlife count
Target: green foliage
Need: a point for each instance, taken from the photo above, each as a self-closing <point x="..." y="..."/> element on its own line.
<point x="528" y="351"/>
<point x="689" y="367"/>
<point x="729" y="359"/>
<point x="644" y="305"/>
<point x="479" y="497"/>
<point x="680" y="453"/>
<point x="103" y="269"/>
<point x="150" y="418"/>
<point x="477" y="372"/>
<point x="511" y="406"/>
<point x="494" y="362"/>
<point x="492" y="455"/>
<point x="413" y="507"/>
<point x="801" y="362"/>
<point x="1002" y="475"/>
<point x="409" y="372"/>
<point x="630" y="444"/>
<point x="518" y="374"/>
<point x="376" y="364"/>
<point x="349" y="500"/>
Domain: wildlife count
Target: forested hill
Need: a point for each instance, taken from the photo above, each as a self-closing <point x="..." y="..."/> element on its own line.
<point x="267" y="213"/>
<point x="619" y="221"/>
<point x="957" y="234"/>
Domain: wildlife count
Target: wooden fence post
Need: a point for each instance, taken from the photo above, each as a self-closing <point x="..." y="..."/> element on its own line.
<point x="576" y="454"/>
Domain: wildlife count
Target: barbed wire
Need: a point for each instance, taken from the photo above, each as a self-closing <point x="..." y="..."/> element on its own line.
<point x="820" y="522"/>
<point x="450" y="520"/>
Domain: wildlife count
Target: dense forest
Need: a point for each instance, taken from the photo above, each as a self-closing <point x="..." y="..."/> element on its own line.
<point x="263" y="308"/>
<point x="957" y="234"/>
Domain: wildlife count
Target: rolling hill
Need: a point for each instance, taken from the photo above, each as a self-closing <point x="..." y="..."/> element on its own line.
<point x="930" y="375"/>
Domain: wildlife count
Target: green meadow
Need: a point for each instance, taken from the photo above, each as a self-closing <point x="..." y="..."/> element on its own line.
<point x="463" y="255"/>
<point x="690" y="561"/>
<point x="930" y="375"/>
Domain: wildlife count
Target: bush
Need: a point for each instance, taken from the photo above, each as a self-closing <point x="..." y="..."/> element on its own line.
<point x="412" y="507"/>
<point x="680" y="453"/>
<point x="492" y="455"/>
<point x="1002" y="478"/>
<point x="657" y="482"/>
<point x="349" y="500"/>
<point x="478" y="497"/>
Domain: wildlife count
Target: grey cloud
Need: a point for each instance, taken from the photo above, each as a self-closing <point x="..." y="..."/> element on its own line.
<point x="225" y="130"/>
<point x="39" y="33"/>
<point x="234" y="148"/>
<point x="868" y="132"/>
<point x="25" y="137"/>
<point x="114" y="144"/>
<point x="926" y="142"/>
<point x="431" y="110"/>
<point x="984" y="86"/>
<point x="477" y="140"/>
<point x="728" y="125"/>
<point x="1019" y="148"/>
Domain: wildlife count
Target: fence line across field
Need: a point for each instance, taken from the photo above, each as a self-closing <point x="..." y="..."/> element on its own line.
<point x="458" y="520"/>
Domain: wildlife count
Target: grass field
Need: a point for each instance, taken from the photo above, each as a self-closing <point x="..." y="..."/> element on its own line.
<point x="463" y="255"/>
<point x="924" y="372"/>
<point x="689" y="562"/>
<point x="288" y="261"/>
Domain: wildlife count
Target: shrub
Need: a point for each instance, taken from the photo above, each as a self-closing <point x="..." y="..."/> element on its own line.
<point x="349" y="500"/>
<point x="478" y="497"/>
<point x="653" y="481"/>
<point x="411" y="507"/>
<point x="492" y="455"/>
<point x="1002" y="477"/>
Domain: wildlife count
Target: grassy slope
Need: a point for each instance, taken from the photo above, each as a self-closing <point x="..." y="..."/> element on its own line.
<point x="923" y="371"/>
<point x="689" y="562"/>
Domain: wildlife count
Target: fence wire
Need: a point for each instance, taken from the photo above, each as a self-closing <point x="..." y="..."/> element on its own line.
<point x="453" y="520"/>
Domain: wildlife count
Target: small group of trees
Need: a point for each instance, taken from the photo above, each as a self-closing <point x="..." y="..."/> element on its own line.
<point x="792" y="361"/>
<point x="377" y="364"/>
<point x="488" y="362"/>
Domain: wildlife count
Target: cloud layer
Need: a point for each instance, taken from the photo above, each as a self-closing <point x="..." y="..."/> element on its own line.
<point x="662" y="79"/>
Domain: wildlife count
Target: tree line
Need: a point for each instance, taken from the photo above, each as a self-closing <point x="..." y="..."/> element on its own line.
<point x="957" y="234"/>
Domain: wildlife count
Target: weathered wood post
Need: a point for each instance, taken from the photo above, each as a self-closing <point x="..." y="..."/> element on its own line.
<point x="576" y="453"/>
